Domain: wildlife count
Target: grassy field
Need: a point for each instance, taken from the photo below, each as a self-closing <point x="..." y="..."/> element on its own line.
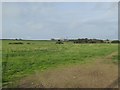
<point x="19" y="60"/>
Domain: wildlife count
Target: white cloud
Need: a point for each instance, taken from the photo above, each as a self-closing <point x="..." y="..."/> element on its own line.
<point x="48" y="20"/>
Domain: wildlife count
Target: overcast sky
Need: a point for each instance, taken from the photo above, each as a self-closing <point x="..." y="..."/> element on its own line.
<point x="30" y="20"/>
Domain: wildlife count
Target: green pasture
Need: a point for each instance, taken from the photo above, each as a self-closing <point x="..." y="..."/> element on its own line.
<point x="19" y="60"/>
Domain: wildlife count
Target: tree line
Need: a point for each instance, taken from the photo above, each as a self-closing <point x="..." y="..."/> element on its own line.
<point x="85" y="40"/>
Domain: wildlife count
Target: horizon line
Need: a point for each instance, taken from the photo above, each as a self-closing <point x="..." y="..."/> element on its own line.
<point x="52" y="38"/>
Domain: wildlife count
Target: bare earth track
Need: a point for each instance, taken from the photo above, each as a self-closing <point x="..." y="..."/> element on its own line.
<point x="102" y="73"/>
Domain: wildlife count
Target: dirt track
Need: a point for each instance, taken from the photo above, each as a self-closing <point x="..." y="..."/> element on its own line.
<point x="100" y="74"/>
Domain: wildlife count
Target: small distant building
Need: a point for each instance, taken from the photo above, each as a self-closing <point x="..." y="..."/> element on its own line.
<point x="107" y="41"/>
<point x="56" y="39"/>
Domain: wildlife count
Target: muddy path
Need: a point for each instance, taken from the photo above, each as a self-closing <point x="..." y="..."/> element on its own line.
<point x="102" y="73"/>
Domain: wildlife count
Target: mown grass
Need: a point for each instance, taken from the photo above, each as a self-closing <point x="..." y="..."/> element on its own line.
<point x="19" y="60"/>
